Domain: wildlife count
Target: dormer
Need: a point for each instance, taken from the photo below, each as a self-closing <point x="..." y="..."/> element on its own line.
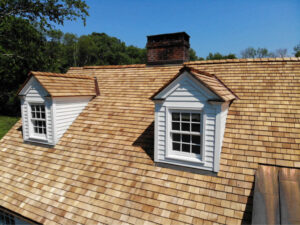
<point x="50" y="102"/>
<point x="190" y="118"/>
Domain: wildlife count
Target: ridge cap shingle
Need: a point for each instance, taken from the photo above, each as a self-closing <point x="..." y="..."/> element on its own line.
<point x="220" y="61"/>
<point x="49" y="74"/>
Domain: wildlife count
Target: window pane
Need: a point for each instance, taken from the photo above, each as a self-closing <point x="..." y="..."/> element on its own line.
<point x="195" y="117"/>
<point x="185" y="127"/>
<point x="186" y="138"/>
<point x="175" y="116"/>
<point x="44" y="131"/>
<point x="185" y="117"/>
<point x="176" y="146"/>
<point x="196" y="139"/>
<point x="37" y="108"/>
<point x="176" y="137"/>
<point x="38" y="115"/>
<point x="7" y="220"/>
<point x="175" y="126"/>
<point x="43" y="116"/>
<point x="32" y="108"/>
<point x="35" y="130"/>
<point x="43" y="108"/>
<point x="195" y="127"/>
<point x="196" y="149"/>
<point x="185" y="148"/>
<point x="32" y="115"/>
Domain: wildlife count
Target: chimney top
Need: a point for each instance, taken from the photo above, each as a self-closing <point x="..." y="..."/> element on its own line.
<point x="172" y="48"/>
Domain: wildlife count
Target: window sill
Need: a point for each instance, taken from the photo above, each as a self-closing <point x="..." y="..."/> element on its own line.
<point x="38" y="140"/>
<point x="184" y="158"/>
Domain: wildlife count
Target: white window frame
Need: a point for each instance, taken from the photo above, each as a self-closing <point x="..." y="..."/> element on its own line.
<point x="32" y="134"/>
<point x="182" y="156"/>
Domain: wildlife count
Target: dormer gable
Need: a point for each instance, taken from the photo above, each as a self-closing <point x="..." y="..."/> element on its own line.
<point x="190" y="118"/>
<point x="207" y="83"/>
<point x="50" y="102"/>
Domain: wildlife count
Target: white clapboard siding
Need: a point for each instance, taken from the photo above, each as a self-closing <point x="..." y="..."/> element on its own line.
<point x="224" y="112"/>
<point x="32" y="93"/>
<point x="66" y="111"/>
<point x="24" y="112"/>
<point x="190" y="96"/>
<point x="60" y="112"/>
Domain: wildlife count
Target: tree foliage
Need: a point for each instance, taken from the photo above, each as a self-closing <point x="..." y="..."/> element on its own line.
<point x="214" y="56"/>
<point x="251" y="52"/>
<point x="297" y="50"/>
<point x="44" y="12"/>
<point x="21" y="49"/>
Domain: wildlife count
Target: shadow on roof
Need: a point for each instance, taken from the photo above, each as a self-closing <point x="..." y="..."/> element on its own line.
<point x="146" y="141"/>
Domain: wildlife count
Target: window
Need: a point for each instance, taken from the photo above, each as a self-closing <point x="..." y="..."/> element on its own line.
<point x="6" y="218"/>
<point x="186" y="133"/>
<point x="38" y="120"/>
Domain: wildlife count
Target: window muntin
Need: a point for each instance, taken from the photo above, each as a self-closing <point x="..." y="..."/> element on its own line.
<point x="186" y="133"/>
<point x="6" y="218"/>
<point x="38" y="120"/>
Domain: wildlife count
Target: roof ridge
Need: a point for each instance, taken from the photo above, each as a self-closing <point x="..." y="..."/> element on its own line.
<point x="192" y="69"/>
<point x="113" y="66"/>
<point x="38" y="73"/>
<point x="216" y="61"/>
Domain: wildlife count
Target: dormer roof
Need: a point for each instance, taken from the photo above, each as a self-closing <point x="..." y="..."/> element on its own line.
<point x="64" y="85"/>
<point x="210" y="81"/>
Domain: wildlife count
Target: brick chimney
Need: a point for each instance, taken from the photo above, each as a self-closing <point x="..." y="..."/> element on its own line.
<point x="170" y="48"/>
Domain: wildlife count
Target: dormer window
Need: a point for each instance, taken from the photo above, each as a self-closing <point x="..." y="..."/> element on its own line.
<point x="38" y="121"/>
<point x="190" y="118"/>
<point x="50" y="102"/>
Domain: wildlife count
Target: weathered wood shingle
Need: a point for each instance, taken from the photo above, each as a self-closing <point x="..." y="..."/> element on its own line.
<point x="101" y="170"/>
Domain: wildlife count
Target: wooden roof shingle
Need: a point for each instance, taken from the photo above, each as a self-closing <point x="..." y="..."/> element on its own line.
<point x="65" y="85"/>
<point x="101" y="171"/>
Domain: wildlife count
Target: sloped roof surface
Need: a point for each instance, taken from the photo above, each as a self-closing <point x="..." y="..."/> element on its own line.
<point x="100" y="171"/>
<point x="215" y="84"/>
<point x="66" y="85"/>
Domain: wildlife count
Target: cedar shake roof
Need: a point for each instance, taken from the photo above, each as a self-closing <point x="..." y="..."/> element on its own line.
<point x="62" y="85"/>
<point x="208" y="80"/>
<point x="101" y="170"/>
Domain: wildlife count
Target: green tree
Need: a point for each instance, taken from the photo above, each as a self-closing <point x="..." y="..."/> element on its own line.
<point x="22" y="49"/>
<point x="218" y="56"/>
<point x="70" y="45"/>
<point x="44" y="12"/>
<point x="251" y="52"/>
<point x="23" y="45"/>
<point x="297" y="50"/>
<point x="101" y="49"/>
<point x="192" y="54"/>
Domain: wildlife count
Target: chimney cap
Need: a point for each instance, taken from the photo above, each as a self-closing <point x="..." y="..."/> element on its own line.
<point x="170" y="34"/>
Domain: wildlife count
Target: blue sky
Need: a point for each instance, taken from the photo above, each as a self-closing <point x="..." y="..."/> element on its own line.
<point x="214" y="26"/>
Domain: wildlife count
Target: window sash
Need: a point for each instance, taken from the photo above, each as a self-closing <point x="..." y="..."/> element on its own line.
<point x="38" y="120"/>
<point x="186" y="144"/>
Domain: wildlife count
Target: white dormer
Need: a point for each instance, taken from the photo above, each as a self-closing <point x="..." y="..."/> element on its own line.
<point x="51" y="102"/>
<point x="190" y="118"/>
